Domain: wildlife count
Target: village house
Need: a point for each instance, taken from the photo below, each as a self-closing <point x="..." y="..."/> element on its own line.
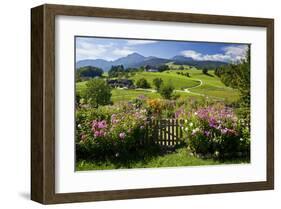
<point x="153" y="70"/>
<point x="121" y="83"/>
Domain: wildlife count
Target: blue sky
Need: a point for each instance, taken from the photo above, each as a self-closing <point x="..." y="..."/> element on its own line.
<point x="112" y="48"/>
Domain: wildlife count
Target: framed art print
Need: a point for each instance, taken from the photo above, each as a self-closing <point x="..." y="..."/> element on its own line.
<point x="135" y="104"/>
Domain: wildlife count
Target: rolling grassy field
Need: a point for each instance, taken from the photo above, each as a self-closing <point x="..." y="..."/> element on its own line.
<point x="129" y="94"/>
<point x="179" y="81"/>
<point x="197" y="85"/>
<point x="211" y="85"/>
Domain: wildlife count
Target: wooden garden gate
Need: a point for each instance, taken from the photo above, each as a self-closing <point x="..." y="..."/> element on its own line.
<point x="165" y="132"/>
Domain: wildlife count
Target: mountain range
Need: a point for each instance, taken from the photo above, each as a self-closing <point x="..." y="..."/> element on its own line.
<point x="136" y="60"/>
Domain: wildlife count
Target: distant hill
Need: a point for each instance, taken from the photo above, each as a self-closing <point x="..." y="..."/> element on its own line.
<point x="100" y="63"/>
<point x="130" y="60"/>
<point x="137" y="60"/>
<point x="182" y="60"/>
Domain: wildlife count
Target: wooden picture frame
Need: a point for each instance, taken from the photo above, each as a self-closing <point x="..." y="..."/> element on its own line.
<point x="43" y="103"/>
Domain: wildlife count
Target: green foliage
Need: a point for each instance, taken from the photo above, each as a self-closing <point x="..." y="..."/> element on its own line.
<point x="166" y="90"/>
<point x="204" y="70"/>
<point x="116" y="71"/>
<point x="163" y="68"/>
<point x="97" y="92"/>
<point x="184" y="74"/>
<point x="157" y="83"/>
<point x="142" y="83"/>
<point x="237" y="76"/>
<point x="88" y="72"/>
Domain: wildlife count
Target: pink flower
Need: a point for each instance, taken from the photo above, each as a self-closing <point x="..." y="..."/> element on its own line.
<point x="102" y="133"/>
<point x="83" y="137"/>
<point x="97" y="133"/>
<point x="102" y="124"/>
<point x="122" y="135"/>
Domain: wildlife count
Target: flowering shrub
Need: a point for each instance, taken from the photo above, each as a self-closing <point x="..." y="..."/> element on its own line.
<point x="127" y="129"/>
<point x="101" y="135"/>
<point x="215" y="130"/>
<point x="161" y="108"/>
<point x="155" y="106"/>
<point x="99" y="128"/>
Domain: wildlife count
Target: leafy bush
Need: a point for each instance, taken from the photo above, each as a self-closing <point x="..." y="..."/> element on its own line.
<point x="157" y="83"/>
<point x="97" y="92"/>
<point x="166" y="90"/>
<point x="163" y="68"/>
<point x="89" y="72"/>
<point x="142" y="83"/>
<point x="205" y="71"/>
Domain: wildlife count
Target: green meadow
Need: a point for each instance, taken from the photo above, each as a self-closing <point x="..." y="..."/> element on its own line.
<point x="196" y="85"/>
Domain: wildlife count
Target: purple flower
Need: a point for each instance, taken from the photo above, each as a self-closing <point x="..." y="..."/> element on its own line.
<point x="212" y="123"/>
<point x="142" y="97"/>
<point x="179" y="112"/>
<point x="207" y="133"/>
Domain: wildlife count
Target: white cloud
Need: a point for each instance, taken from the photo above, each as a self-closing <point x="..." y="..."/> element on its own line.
<point x="86" y="49"/>
<point x="91" y="51"/>
<point x="193" y="54"/>
<point x="231" y="54"/>
<point x="140" y="42"/>
<point x="122" y="51"/>
<point x="236" y="52"/>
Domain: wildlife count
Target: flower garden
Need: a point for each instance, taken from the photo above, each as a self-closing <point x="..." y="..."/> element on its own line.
<point x="110" y="136"/>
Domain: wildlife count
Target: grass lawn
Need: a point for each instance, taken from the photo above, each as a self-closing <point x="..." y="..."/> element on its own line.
<point x="181" y="157"/>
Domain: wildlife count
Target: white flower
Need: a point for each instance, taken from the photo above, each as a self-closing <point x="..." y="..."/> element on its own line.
<point x="186" y="129"/>
<point x="79" y="126"/>
<point x="195" y="113"/>
<point x="190" y="124"/>
<point x="195" y="130"/>
<point x="241" y="139"/>
<point x="186" y="121"/>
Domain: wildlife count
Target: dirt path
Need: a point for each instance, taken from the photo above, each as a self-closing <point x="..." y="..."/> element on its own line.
<point x="187" y="90"/>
